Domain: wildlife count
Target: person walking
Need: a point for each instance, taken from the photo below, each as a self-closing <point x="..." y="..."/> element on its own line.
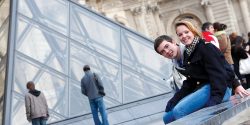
<point x="92" y="87"/>
<point x="36" y="105"/>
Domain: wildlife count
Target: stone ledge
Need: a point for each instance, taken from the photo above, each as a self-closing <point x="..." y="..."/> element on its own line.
<point x="215" y="115"/>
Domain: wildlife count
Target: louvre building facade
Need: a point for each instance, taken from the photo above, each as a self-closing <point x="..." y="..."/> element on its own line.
<point x="156" y="17"/>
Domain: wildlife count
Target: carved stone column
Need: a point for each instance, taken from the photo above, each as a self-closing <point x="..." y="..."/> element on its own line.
<point x="160" y="26"/>
<point x="147" y="19"/>
<point x="139" y="16"/>
<point x="208" y="9"/>
<point x="245" y="13"/>
<point x="151" y="20"/>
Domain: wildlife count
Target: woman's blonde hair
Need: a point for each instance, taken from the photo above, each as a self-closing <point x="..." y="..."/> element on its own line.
<point x="190" y="26"/>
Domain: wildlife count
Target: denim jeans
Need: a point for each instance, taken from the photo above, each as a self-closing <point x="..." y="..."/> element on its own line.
<point x="95" y="105"/>
<point x="192" y="103"/>
<point x="39" y="121"/>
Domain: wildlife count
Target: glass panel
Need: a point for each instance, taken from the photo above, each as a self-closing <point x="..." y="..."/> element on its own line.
<point x="139" y="55"/>
<point x="56" y="91"/>
<point x="138" y="87"/>
<point x="80" y="56"/>
<point x="24" y="72"/>
<point x="102" y="36"/>
<point x="52" y="85"/>
<point x="52" y="13"/>
<point x="79" y="104"/>
<point x="24" y="8"/>
<point x="77" y="30"/>
<point x="18" y="115"/>
<point x="44" y="46"/>
<point x="22" y="29"/>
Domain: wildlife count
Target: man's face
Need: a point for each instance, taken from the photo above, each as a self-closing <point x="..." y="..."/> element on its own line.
<point x="210" y="29"/>
<point x="168" y="50"/>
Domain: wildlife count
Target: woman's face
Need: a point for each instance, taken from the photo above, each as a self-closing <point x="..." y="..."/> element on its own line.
<point x="185" y="35"/>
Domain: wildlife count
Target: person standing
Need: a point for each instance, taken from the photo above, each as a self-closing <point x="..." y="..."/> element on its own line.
<point x="36" y="105"/>
<point x="239" y="53"/>
<point x="207" y="33"/>
<point x="224" y="41"/>
<point x="92" y="87"/>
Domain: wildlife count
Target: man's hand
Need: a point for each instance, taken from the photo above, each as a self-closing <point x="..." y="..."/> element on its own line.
<point x="241" y="91"/>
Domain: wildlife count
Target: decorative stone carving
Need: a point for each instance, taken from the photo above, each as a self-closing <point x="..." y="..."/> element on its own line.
<point x="144" y="9"/>
<point x="205" y="2"/>
<point x="209" y="12"/>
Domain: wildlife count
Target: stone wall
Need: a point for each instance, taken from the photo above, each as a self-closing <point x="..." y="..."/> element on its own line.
<point x="156" y="17"/>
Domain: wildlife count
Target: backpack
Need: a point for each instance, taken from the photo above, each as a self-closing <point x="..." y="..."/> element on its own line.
<point x="99" y="87"/>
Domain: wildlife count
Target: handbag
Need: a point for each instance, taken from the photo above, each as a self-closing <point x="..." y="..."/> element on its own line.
<point x="99" y="87"/>
<point x="244" y="65"/>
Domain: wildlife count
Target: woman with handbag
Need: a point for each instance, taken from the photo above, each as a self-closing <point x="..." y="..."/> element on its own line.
<point x="239" y="54"/>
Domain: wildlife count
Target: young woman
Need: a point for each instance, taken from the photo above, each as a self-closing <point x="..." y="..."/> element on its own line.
<point x="224" y="41"/>
<point x="204" y="67"/>
<point x="238" y="53"/>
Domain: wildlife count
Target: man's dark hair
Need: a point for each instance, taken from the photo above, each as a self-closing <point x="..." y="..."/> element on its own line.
<point x="248" y="34"/>
<point x="30" y="85"/>
<point x="206" y="26"/>
<point x="160" y="39"/>
<point x="86" y="68"/>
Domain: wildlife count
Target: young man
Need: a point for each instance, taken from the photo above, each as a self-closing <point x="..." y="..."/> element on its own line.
<point x="90" y="85"/>
<point x="171" y="50"/>
<point x="36" y="106"/>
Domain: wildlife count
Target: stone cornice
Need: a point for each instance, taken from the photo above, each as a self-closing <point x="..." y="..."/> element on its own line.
<point x="121" y="5"/>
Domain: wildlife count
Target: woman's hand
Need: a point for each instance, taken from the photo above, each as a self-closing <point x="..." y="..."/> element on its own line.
<point x="241" y="91"/>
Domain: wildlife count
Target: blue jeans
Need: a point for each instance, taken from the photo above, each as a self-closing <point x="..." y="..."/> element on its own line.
<point x="95" y="105"/>
<point x="39" y="121"/>
<point x="192" y="103"/>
